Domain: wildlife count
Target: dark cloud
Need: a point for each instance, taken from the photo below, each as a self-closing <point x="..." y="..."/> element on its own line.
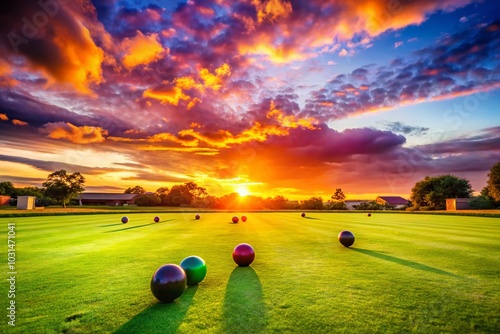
<point x="51" y="166"/>
<point x="457" y="65"/>
<point x="155" y="177"/>
<point x="406" y="129"/>
<point x="32" y="181"/>
<point x="486" y="141"/>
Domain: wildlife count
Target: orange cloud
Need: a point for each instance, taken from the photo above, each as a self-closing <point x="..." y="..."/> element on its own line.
<point x="141" y="50"/>
<point x="289" y="121"/>
<point x="278" y="54"/>
<point x="18" y="122"/>
<point x="81" y="66"/>
<point x="192" y="103"/>
<point x="3" y="117"/>
<point x="214" y="81"/>
<point x="366" y="18"/>
<point x="76" y="134"/>
<point x="5" y="75"/>
<point x="175" y="92"/>
<point x="272" y="10"/>
<point x="168" y="93"/>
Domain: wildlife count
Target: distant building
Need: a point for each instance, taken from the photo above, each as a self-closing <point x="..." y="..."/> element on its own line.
<point x="394" y="201"/>
<point x="106" y="199"/>
<point x="26" y="202"/>
<point x="4" y="200"/>
<point x="453" y="204"/>
<point x="350" y="203"/>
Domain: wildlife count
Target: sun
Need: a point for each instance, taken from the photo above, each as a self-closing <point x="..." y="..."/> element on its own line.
<point x="243" y="191"/>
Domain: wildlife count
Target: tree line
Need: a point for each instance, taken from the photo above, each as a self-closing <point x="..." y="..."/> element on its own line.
<point x="430" y="193"/>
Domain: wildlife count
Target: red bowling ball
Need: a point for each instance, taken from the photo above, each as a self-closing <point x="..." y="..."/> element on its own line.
<point x="235" y="219"/>
<point x="156" y="219"/>
<point x="243" y="255"/>
<point x="197" y="217"/>
<point x="243" y="218"/>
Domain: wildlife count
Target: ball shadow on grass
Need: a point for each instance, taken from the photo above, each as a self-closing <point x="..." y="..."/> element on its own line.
<point x="411" y="264"/>
<point x="160" y="317"/>
<point x="137" y="226"/>
<point x="244" y="307"/>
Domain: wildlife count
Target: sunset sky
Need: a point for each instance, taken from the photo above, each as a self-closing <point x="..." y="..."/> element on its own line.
<point x="267" y="97"/>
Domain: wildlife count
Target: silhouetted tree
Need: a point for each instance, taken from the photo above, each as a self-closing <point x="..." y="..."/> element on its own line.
<point x="432" y="192"/>
<point x="313" y="203"/>
<point x="494" y="182"/>
<point x="162" y="193"/>
<point x="339" y="195"/>
<point x="147" y="200"/>
<point x="135" y="190"/>
<point x="62" y="186"/>
<point x="7" y="188"/>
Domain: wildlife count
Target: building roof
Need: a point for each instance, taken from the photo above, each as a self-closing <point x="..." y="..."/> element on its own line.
<point x="394" y="200"/>
<point x="106" y="196"/>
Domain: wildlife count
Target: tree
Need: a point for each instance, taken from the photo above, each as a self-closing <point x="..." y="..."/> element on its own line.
<point x="41" y="198"/>
<point x="7" y="188"/>
<point x="179" y="195"/>
<point x="147" y="200"/>
<point x="184" y="194"/>
<point x="338" y="196"/>
<point x="162" y="193"/>
<point x="433" y="191"/>
<point x="493" y="183"/>
<point x="195" y="190"/>
<point x="481" y="203"/>
<point x="62" y="186"/>
<point x="368" y="206"/>
<point x="313" y="203"/>
<point x="135" y="190"/>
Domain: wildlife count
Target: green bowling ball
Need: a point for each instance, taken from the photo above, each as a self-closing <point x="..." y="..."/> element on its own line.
<point x="195" y="269"/>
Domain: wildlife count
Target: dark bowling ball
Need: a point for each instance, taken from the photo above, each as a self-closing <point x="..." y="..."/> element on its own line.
<point x="168" y="283"/>
<point x="346" y="238"/>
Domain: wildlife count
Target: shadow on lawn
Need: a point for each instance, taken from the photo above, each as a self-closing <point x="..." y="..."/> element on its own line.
<point x="312" y="218"/>
<point x="111" y="225"/>
<point x="137" y="226"/>
<point x="411" y="264"/>
<point x="244" y="308"/>
<point x="160" y="317"/>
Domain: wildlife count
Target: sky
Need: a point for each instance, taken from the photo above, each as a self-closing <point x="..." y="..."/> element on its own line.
<point x="263" y="97"/>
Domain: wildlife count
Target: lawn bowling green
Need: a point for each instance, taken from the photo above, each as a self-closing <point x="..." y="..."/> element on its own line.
<point x="405" y="273"/>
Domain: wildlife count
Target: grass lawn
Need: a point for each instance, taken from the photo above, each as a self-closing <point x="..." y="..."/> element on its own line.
<point x="404" y="273"/>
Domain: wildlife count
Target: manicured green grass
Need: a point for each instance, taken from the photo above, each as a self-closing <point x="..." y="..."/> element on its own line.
<point x="404" y="273"/>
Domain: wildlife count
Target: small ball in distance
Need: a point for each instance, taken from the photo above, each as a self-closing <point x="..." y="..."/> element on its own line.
<point x="346" y="238"/>
<point x="303" y="214"/>
<point x="243" y="255"/>
<point x="124" y="220"/>
<point x="156" y="219"/>
<point x="195" y="269"/>
<point x="168" y="283"/>
<point x="197" y="217"/>
<point x="369" y="214"/>
<point x="235" y="219"/>
<point x="243" y="218"/>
